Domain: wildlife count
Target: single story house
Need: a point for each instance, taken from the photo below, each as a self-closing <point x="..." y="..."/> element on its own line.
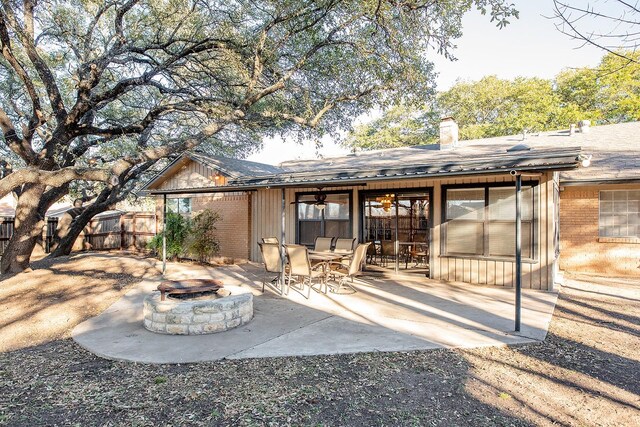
<point x="454" y="200"/>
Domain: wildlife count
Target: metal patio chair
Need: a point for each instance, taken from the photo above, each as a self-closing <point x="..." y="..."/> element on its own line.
<point x="272" y="259"/>
<point x="300" y="271"/>
<point x="323" y="244"/>
<point x="347" y="271"/>
<point x="344" y="245"/>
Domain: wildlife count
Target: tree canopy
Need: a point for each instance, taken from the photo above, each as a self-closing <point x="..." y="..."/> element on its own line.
<point x="97" y="90"/>
<point x="608" y="93"/>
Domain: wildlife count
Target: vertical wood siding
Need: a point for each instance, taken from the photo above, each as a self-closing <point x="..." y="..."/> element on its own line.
<point x="266" y="218"/>
<point x="191" y="175"/>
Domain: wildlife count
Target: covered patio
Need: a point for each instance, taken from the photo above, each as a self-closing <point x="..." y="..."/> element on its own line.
<point x="402" y="313"/>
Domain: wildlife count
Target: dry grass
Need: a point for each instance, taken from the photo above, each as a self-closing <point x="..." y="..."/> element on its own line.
<point x="45" y="304"/>
<point x="587" y="372"/>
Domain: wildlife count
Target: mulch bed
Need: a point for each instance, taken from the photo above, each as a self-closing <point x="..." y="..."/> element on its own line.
<point x="587" y="372"/>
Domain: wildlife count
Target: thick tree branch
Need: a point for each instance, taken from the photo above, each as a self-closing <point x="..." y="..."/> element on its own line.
<point x="32" y="175"/>
<point x="18" y="145"/>
<point x="45" y="74"/>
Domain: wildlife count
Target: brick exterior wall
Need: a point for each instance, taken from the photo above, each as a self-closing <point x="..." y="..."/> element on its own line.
<point x="581" y="248"/>
<point x="234" y="227"/>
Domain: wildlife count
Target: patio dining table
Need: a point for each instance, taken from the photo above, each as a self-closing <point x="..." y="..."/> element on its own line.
<point x="325" y="258"/>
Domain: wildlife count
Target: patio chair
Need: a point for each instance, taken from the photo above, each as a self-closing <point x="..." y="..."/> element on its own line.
<point x="272" y="259"/>
<point x="388" y="252"/>
<point x="347" y="271"/>
<point x="344" y="245"/>
<point x="270" y="240"/>
<point x="300" y="271"/>
<point x="374" y="252"/>
<point x="323" y="244"/>
<point x="418" y="253"/>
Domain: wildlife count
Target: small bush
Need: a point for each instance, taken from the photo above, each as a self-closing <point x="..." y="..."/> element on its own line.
<point x="202" y="243"/>
<point x="178" y="228"/>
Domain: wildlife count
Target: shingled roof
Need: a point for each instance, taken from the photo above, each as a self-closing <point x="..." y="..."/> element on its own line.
<point x="234" y="168"/>
<point x="615" y="150"/>
<point x="416" y="162"/>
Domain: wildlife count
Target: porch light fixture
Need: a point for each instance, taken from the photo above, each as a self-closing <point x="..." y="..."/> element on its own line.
<point x="320" y="206"/>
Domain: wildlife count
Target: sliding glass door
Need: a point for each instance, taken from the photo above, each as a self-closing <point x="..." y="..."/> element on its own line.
<point x="398" y="226"/>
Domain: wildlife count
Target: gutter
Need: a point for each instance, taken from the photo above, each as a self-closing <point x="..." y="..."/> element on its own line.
<point x="342" y="182"/>
<point x="577" y="182"/>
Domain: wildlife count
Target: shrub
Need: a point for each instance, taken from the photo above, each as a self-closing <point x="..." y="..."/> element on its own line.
<point x="202" y="243"/>
<point x="178" y="228"/>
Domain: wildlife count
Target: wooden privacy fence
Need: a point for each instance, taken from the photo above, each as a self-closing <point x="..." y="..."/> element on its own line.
<point x="130" y="231"/>
<point x="120" y="231"/>
<point x="6" y="231"/>
<point x="7" y="225"/>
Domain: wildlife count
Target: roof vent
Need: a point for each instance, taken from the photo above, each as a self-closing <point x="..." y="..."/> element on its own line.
<point x="584" y="126"/>
<point x="519" y="147"/>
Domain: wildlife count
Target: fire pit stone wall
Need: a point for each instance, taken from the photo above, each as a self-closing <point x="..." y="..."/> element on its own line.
<point x="184" y="317"/>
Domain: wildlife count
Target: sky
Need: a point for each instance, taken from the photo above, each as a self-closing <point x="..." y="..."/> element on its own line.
<point x="528" y="47"/>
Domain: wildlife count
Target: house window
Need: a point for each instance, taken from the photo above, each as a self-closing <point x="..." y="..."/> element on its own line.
<point x="619" y="213"/>
<point x="180" y="205"/>
<point x="480" y="221"/>
<point x="334" y="220"/>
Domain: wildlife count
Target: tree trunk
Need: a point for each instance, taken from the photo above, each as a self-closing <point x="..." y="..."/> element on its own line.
<point x="68" y="237"/>
<point x="29" y="221"/>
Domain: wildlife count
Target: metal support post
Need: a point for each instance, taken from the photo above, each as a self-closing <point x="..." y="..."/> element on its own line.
<point x="518" y="250"/>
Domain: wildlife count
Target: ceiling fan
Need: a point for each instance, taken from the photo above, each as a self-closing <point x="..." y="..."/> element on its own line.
<point x="318" y="201"/>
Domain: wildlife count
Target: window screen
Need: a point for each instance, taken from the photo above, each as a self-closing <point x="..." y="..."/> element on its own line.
<point x="619" y="213"/>
<point x="481" y="221"/>
<point x="333" y="220"/>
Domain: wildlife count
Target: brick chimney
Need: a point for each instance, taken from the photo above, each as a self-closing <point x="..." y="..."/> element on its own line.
<point x="448" y="133"/>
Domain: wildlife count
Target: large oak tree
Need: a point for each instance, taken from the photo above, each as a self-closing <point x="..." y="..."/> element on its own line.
<point x="154" y="78"/>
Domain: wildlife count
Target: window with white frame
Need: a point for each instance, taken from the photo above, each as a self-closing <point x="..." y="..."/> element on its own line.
<point x="619" y="213"/>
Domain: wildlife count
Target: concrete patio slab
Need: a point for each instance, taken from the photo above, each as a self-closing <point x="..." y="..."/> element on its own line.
<point x="399" y="314"/>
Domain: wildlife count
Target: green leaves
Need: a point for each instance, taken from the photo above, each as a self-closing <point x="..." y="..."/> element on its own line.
<point x="609" y="93"/>
<point x="177" y="230"/>
<point x="202" y="241"/>
<point x="187" y="237"/>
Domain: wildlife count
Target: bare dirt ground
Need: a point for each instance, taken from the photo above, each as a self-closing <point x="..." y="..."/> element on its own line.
<point x="587" y="372"/>
<point x="46" y="303"/>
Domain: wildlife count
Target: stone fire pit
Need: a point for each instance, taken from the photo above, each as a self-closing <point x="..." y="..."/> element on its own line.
<point x="196" y="313"/>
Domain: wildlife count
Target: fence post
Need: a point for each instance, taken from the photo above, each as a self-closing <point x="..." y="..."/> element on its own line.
<point x="121" y="232"/>
<point x="133" y="227"/>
